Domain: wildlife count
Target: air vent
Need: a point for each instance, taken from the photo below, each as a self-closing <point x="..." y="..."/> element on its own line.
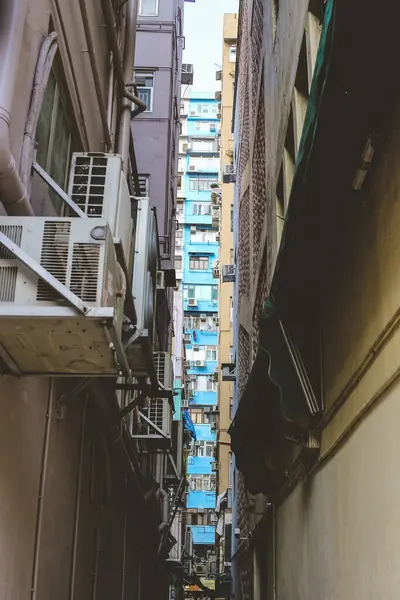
<point x="54" y="258"/>
<point x="159" y="359"/>
<point x="14" y="233"/>
<point x="85" y="271"/>
<point x="156" y="408"/>
<point x="8" y="280"/>
<point x="89" y="184"/>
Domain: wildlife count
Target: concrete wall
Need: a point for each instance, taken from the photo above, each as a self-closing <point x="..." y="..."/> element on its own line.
<point x="66" y="552"/>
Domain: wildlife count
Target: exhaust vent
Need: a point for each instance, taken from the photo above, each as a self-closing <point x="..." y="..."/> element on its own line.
<point x="54" y="258"/>
<point x="8" y="281"/>
<point x="14" y="233"/>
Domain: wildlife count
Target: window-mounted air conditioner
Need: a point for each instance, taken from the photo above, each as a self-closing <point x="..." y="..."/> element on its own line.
<point x="203" y="317"/>
<point x="192" y="167"/>
<point x="187" y="337"/>
<point x="184" y="147"/>
<point x="193" y="229"/>
<point x="196" y="347"/>
<point x="164" y="369"/>
<point x="229" y="174"/>
<point x="97" y="184"/>
<point x="185" y="403"/>
<point x="41" y="331"/>
<point x="159" y="413"/>
<point x="192" y="302"/>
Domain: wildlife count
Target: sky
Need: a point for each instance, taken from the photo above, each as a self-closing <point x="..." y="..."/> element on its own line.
<point x="203" y="21"/>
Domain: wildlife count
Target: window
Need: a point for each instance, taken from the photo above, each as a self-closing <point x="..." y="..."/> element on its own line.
<point x="179" y="182"/>
<point x="201" y="184"/>
<point x="204" y="235"/>
<point x="211" y="386"/>
<point x="148" y="8"/>
<point x="201" y="208"/>
<point x="203" y="146"/>
<point x="211" y="353"/>
<point x="214" y="292"/>
<point x="178" y="263"/>
<point x="213" y="127"/>
<point x="199" y="263"/>
<point x="231" y="218"/>
<point x="54" y="138"/>
<point x="145" y="85"/>
<point x="232" y="53"/>
<point x="191" y="291"/>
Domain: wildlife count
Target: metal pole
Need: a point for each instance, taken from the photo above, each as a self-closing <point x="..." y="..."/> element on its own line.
<point x="78" y="503"/>
<point x="42" y="487"/>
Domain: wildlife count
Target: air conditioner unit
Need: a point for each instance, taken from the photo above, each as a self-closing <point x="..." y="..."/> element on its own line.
<point x="195" y="347"/>
<point x="219" y="115"/>
<point x="203" y="317"/>
<point x="160" y="413"/>
<point x="215" y="198"/>
<point x="97" y="184"/>
<point x="187" y="337"/>
<point x="228" y="273"/>
<point x="206" y="409"/>
<point x="218" y="75"/>
<point x="218" y="238"/>
<point x="160" y="280"/>
<point x="164" y="369"/>
<point x="229" y="175"/>
<point x="192" y="302"/>
<point x="193" y="229"/>
<point x="192" y="113"/>
<point x="219" y="107"/>
<point x="192" y="167"/>
<point x="187" y="74"/>
<point x="139" y="352"/>
<point x="184" y="403"/>
<point x="41" y="331"/>
<point x="218" y="95"/>
<point x="200" y="363"/>
<point x="184" y="147"/>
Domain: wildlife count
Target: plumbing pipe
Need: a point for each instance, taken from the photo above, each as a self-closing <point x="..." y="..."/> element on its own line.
<point x="43" y="68"/>
<point x="42" y="488"/>
<point x="95" y="74"/>
<point x="124" y="130"/>
<point x="123" y="76"/>
<point x="78" y="503"/>
<point x="12" y="19"/>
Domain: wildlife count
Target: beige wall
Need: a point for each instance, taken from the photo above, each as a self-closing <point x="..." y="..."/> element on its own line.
<point x="225" y="388"/>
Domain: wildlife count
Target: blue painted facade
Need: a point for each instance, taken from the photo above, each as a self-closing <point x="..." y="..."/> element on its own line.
<point x="203" y="534"/>
<point x="200" y="289"/>
<point x="199" y="465"/>
<point x="199" y="499"/>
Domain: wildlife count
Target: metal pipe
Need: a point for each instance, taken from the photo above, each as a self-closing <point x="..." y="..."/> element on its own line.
<point x="12" y="191"/>
<point x="96" y="564"/>
<point x="124" y="75"/>
<point x="42" y="486"/>
<point x="78" y="503"/>
<point x="43" y="67"/>
<point x="95" y="74"/>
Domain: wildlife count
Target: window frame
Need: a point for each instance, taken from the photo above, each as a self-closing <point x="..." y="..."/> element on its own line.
<point x="147" y="75"/>
<point x="195" y="259"/>
<point x="144" y="14"/>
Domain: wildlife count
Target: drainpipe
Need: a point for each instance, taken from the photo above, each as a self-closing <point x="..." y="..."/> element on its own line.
<point x="124" y="75"/>
<point x="95" y="74"/>
<point x="42" y="488"/>
<point x="43" y="68"/>
<point x="12" y="19"/>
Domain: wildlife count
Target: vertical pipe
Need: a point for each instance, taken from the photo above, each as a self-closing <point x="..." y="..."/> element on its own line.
<point x="78" y="504"/>
<point x="42" y="486"/>
<point x="96" y="564"/>
<point x="124" y="556"/>
<point x="274" y="552"/>
<point x="124" y="133"/>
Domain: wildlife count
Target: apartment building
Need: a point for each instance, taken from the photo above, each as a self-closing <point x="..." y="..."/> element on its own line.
<point x="91" y="460"/>
<point x="316" y="302"/>
<point x="196" y="257"/>
<point x="224" y="197"/>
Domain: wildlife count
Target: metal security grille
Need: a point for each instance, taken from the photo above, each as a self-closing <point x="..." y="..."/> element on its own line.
<point x="8" y="281"/>
<point x="14" y="233"/>
<point x="244" y="245"/>
<point x="159" y="360"/>
<point x="89" y="184"/>
<point x="256" y="47"/>
<point x="54" y="258"/>
<point x="243" y="359"/>
<point x="261" y="296"/>
<point x="259" y="192"/>
<point x="85" y="271"/>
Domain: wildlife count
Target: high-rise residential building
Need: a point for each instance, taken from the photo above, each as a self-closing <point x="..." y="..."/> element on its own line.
<point x="316" y="302"/>
<point x="91" y="459"/>
<point x="195" y="261"/>
<point x="226" y="273"/>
